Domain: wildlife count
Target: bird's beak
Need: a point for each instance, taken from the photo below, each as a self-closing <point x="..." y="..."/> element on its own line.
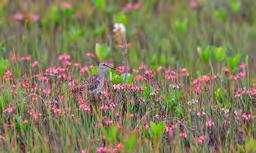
<point x="110" y="67"/>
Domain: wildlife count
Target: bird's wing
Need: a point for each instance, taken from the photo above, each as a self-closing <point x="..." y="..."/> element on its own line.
<point x="93" y="83"/>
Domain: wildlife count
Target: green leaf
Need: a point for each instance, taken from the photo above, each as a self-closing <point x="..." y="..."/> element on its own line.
<point x="205" y="53"/>
<point x="102" y="51"/>
<point x="163" y="59"/>
<point x="236" y="60"/>
<point x="100" y="5"/>
<point x="110" y="133"/>
<point x="221" y="13"/>
<point x="179" y="112"/>
<point x="68" y="11"/>
<point x="233" y="62"/>
<point x="55" y="14"/>
<point x="4" y="64"/>
<point x="153" y="128"/>
<point x="121" y="18"/>
<point x="228" y="105"/>
<point x="130" y="78"/>
<point x="219" y="53"/>
<point x="2" y="103"/>
<point x="147" y="91"/>
<point x="181" y="25"/>
<point x="130" y="142"/>
<point x="74" y="33"/>
<point x="101" y="29"/>
<point x="235" y="6"/>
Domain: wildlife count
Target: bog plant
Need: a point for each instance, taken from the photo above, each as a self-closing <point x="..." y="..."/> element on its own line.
<point x="102" y="51"/>
<point x="4" y="64"/>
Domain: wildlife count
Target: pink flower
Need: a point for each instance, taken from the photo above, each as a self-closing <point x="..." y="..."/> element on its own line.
<point x="209" y="123"/>
<point x="35" y="64"/>
<point x="56" y="110"/>
<point x="104" y="107"/>
<point x="169" y="128"/>
<point x="83" y="151"/>
<point x="242" y="66"/>
<point x="142" y="67"/>
<point x="202" y="113"/>
<point x="183" y="135"/>
<point x="84" y="69"/>
<point x="120" y="69"/>
<point x="242" y="74"/>
<point x="67" y="5"/>
<point x="64" y="57"/>
<point x="10" y="109"/>
<point x="25" y="58"/>
<point x="149" y="74"/>
<point x="193" y="4"/>
<point x="18" y="16"/>
<point x="90" y="55"/>
<point x="33" y="17"/>
<point x="85" y="107"/>
<point x="117" y="86"/>
<point x="139" y="78"/>
<point x="77" y="64"/>
<point x="247" y="117"/>
<point x="102" y="149"/>
<point x="159" y="69"/>
<point x="135" y="71"/>
<point x="24" y="122"/>
<point x="201" y="139"/>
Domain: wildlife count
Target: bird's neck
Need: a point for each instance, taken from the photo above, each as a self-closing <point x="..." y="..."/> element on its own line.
<point x="102" y="74"/>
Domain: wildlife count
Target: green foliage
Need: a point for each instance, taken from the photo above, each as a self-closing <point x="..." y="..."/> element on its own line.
<point x="2" y="103"/>
<point x="116" y="79"/>
<point x="74" y="33"/>
<point x="205" y="53"/>
<point x="102" y="51"/>
<point x="163" y="59"/>
<point x="181" y="25"/>
<point x="228" y="105"/>
<point x="129" y="142"/>
<point x="55" y="14"/>
<point x="93" y="71"/>
<point x="147" y="90"/>
<point x="110" y="133"/>
<point x="235" y="6"/>
<point x="4" y="64"/>
<point x="219" y="53"/>
<point x="68" y="11"/>
<point x="221" y="13"/>
<point x="19" y="125"/>
<point x="121" y="18"/>
<point x="101" y="29"/>
<point x="100" y="5"/>
<point x="157" y="130"/>
<point x="220" y="93"/>
<point x="2" y="49"/>
<point x="233" y="61"/>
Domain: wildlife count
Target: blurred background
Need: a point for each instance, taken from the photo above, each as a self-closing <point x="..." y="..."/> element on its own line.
<point x="158" y="32"/>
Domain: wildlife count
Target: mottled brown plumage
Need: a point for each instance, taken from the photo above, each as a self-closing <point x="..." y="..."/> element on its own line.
<point x="94" y="84"/>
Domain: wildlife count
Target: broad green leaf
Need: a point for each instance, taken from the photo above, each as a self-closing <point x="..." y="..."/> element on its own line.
<point x="181" y="25"/>
<point x="235" y="6"/>
<point x="4" y="64"/>
<point x="219" y="53"/>
<point x="100" y="4"/>
<point x="102" y="51"/>
<point x="205" y="53"/>
<point x="228" y="105"/>
<point x="121" y="18"/>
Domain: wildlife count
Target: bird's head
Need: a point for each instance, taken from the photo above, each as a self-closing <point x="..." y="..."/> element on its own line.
<point x="103" y="67"/>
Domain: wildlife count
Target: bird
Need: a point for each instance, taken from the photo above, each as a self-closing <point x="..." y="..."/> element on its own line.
<point x="94" y="84"/>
